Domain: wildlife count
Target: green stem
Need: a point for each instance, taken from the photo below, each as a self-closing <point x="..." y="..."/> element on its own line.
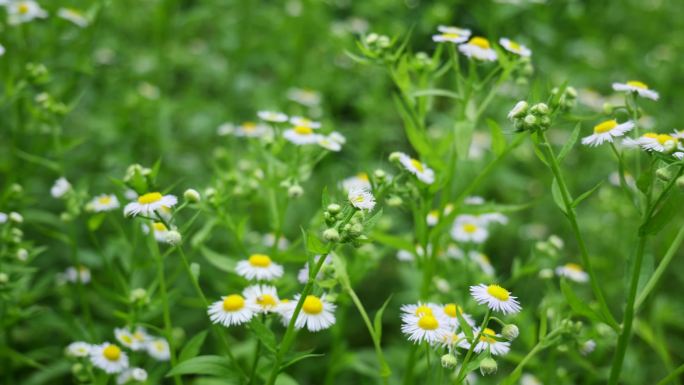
<point x="672" y="376"/>
<point x="660" y="270"/>
<point x="255" y="361"/>
<point x="410" y="363"/>
<point x="462" y="373"/>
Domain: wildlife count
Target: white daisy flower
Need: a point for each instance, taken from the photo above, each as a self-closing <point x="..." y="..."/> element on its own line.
<point x="148" y="204"/>
<point x="514" y="47"/>
<point x="104" y="202"/>
<point x="251" y="130"/>
<point x="299" y="121"/>
<point x="140" y="338"/>
<point x="60" y="188"/>
<point x="259" y="267"/>
<point x="261" y="297"/>
<point x="454" y="252"/>
<point x="132" y="374"/>
<point x="3" y="218"/>
<point x="337" y="137"/>
<point x="425" y="328"/>
<point x="160" y="231"/>
<point x="73" y="274"/>
<point x="636" y="86"/>
<point x="488" y="218"/>
<point x="496" y="298"/>
<point x="272" y="116"/>
<point x="305" y="97"/>
<point x="449" y="312"/>
<point x="285" y="309"/>
<point x="269" y="239"/>
<point x="73" y="15"/>
<point x="606" y="131"/>
<point x="316" y="313"/>
<point x="128" y="339"/>
<point x="487" y="342"/>
<point x="420" y="309"/>
<point x="417" y="168"/>
<point x="469" y="228"/>
<point x="482" y="261"/>
<point x="359" y="181"/>
<point x="405" y="256"/>
<point x="158" y="348"/>
<point x="78" y="349"/>
<point x="361" y="199"/>
<point x="109" y="358"/>
<point x="478" y="48"/>
<point x="572" y="271"/>
<point x="651" y="141"/>
<point x="301" y="135"/>
<point x="231" y="310"/>
<point x="303" y="275"/>
<point x="19" y="12"/>
<point x="432" y="218"/>
<point x="451" y="34"/>
<point x="329" y="144"/>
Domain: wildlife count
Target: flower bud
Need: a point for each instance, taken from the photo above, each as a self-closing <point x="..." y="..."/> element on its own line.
<point x="356" y="229"/>
<point x="16" y="188"/>
<point x="449" y="361"/>
<point x="334" y="208"/>
<point x="331" y="235"/>
<point x="395" y="201"/>
<point x="530" y="120"/>
<point x="192" y="195"/>
<point x="16" y="217"/>
<point x="379" y="174"/>
<point x="138" y="295"/>
<point x="295" y="191"/>
<point x="173" y="237"/>
<point x="488" y="366"/>
<point x="394" y="157"/>
<point x="510" y="332"/>
<point x="518" y="110"/>
<point x="22" y="254"/>
<point x="607" y="108"/>
<point x="540" y="109"/>
<point x="680" y="182"/>
<point x="195" y="269"/>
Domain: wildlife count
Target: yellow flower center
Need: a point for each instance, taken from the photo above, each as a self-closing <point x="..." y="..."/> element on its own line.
<point x="451" y="308"/>
<point x="637" y="84"/>
<point x="573" y="267"/>
<point x="428" y="322"/>
<point x="450" y="35"/>
<point x="312" y="305"/>
<point x="127" y="339"/>
<point x="513" y="45"/>
<point x="303" y="130"/>
<point x="158" y="226"/>
<point x="112" y="353"/>
<point x="605" y="126"/>
<point x="363" y="176"/>
<point x="159" y="345"/>
<point x="266" y="301"/>
<point x="417" y="165"/>
<point x="23" y="8"/>
<point x="650" y="135"/>
<point x="664" y="138"/>
<point x="104" y="200"/>
<point x="487" y="335"/>
<point x="259" y="260"/>
<point x="423" y="310"/>
<point x="498" y="292"/>
<point x="150" y="198"/>
<point x="139" y="336"/>
<point x="469" y="228"/>
<point x="479" y="42"/>
<point x="434" y="213"/>
<point x="233" y="302"/>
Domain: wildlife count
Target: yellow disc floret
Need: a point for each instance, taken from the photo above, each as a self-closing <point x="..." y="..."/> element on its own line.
<point x="487" y="335"/>
<point x="150" y="198"/>
<point x="469" y="228"/>
<point x="303" y="130"/>
<point x="417" y="165"/>
<point x="259" y="260"/>
<point x="423" y="310"/>
<point x="498" y="292"/>
<point x="451" y="308"/>
<point x="266" y="301"/>
<point x="312" y="305"/>
<point x="605" y="126"/>
<point x="104" y="200"/>
<point x="637" y="84"/>
<point x="158" y="226"/>
<point x="428" y="322"/>
<point x="112" y="352"/>
<point x="233" y="302"/>
<point x="573" y="267"/>
<point x="479" y="42"/>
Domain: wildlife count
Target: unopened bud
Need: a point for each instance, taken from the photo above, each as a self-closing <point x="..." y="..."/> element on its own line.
<point x="394" y="201"/>
<point x="449" y="361"/>
<point x="295" y="191"/>
<point x="334" y="208"/>
<point x="510" y="332"/>
<point x="488" y="366"/>
<point x="192" y="195"/>
<point x="394" y="157"/>
<point x="664" y="174"/>
<point x="331" y="235"/>
<point x="173" y="237"/>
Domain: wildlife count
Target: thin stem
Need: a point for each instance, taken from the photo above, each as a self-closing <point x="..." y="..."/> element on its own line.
<point x="660" y="270"/>
<point x="672" y="376"/>
<point x="462" y="373"/>
<point x="255" y="361"/>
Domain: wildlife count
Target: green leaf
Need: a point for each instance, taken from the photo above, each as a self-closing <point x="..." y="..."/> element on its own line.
<point x="263" y="333"/>
<point x="413" y="134"/>
<point x="392" y="241"/>
<point x="498" y="139"/>
<point x="570" y="143"/>
<point x="578" y="306"/>
<point x="557" y="195"/>
<point x="463" y="132"/>
<point x="341" y="271"/>
<point x="372" y="220"/>
<point x="436" y="92"/>
<point x="192" y="348"/>
<point x="465" y="326"/>
<point x="584" y="195"/>
<point x="202" y="234"/>
<point x="95" y="221"/>
<point x="314" y="244"/>
<point x="377" y="320"/>
<point x="210" y="365"/>
<point x="299" y="356"/>
<point x="664" y="215"/>
<point x="285" y="379"/>
<point x="35" y="159"/>
<point x="221" y="262"/>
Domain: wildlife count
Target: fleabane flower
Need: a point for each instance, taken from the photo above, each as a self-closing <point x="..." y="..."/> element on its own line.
<point x="74" y="274"/>
<point x="640" y="88"/>
<point x="424" y="173"/>
<point x="272" y="116"/>
<point x="74" y="16"/>
<point x="259" y="267"/>
<point x="420" y="309"/>
<point x="148" y="204"/>
<point x="329" y="144"/>
<point x="425" y="327"/>
<point x="516" y="48"/>
<point x="269" y="240"/>
<point x="158" y="348"/>
<point x="432" y="218"/>
<point x="572" y="271"/>
<point x="127" y="339"/>
<point x="60" y="188"/>
<point x="316" y="313"/>
<point x="108" y="357"/>
<point x="479" y="48"/>
<point x="19" y="12"/>
<point x="361" y="199"/>
<point x="358" y="181"/>
<point x="104" y="202"/>
<point x="131" y="374"/>
<point x="299" y="121"/>
<point x="301" y="135"/>
<point x="469" y="228"/>
<point x="496" y="298"/>
<point x="160" y="230"/>
<point x="487" y="342"/>
<point x="482" y="261"/>
<point x="78" y="349"/>
<point x="451" y="34"/>
<point x="606" y="131"/>
<point x="450" y="312"/>
<point x="231" y="310"/>
<point x="651" y="141"/>
<point x="305" y="97"/>
<point x="264" y="298"/>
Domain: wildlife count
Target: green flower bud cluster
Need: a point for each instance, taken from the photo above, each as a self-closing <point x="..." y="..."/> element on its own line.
<point x="567" y="100"/>
<point x="526" y="118"/>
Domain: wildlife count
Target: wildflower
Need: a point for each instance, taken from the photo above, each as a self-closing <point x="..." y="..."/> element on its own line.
<point x="301" y="135"/>
<point x="22" y="254"/>
<point x="60" y="188"/>
<point x="510" y="332"/>
<point x="316" y="313"/>
<point x="285" y="309"/>
<point x="303" y="275"/>
<point x="420" y="309"/>
<point x="109" y="358"/>
<point x="149" y="204"/>
<point x="74" y="274"/>
<point x="328" y="143"/>
<point x="469" y="228"/>
<point x="424" y="327"/>
<point x="451" y="311"/>
<point x="432" y="218"/>
<point x="529" y="379"/>
<point x="454" y="252"/>
<point x="74" y="16"/>
<point x="140" y="338"/>
<point x="305" y="97"/>
<point x="361" y="199"/>
<point x="479" y="48"/>
<point x="159" y="228"/>
<point x="231" y="310"/>
<point x="158" y="348"/>
<point x="3" y="218"/>
<point x="448" y="361"/>
<point x="104" y="202"/>
<point x="135" y="374"/>
<point x="415" y="167"/>
<point x="518" y="110"/>
<point x="337" y="137"/>
<point x="572" y="271"/>
<point x="261" y="297"/>
<point x="259" y="267"/>
<point x="488" y="366"/>
<point x="650" y="141"/>
<point x="358" y="181"/>
<point x="299" y="121"/>
<point x="475" y="200"/>
<point x="451" y="34"/>
<point x="78" y="349"/>
<point x="405" y="256"/>
<point x="637" y="87"/>
<point x="514" y="47"/>
<point x="587" y="347"/>
<point x="487" y="342"/>
<point x="2" y="50"/>
<point x="331" y="235"/>
<point x="295" y="191"/>
<point x="126" y="338"/>
<point x="173" y="238"/>
<point x="496" y="298"/>
<point x="488" y="218"/>
<point x="192" y="195"/>
<point x="249" y="130"/>
<point x="272" y="116"/>
<point x="19" y="12"/>
<point x="606" y="131"/>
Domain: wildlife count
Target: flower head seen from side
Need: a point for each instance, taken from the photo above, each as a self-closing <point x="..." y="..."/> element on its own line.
<point x="264" y="298"/>
<point x="60" y="188"/>
<point x="249" y="130"/>
<point x="420" y="309"/>
<point x="606" y="131"/>
<point x="432" y="218"/>
<point x="482" y="261"/>
<point x="496" y="298"/>
<point x="651" y="141"/>
<point x="488" y="341"/>
<point x="78" y="349"/>
<point x="301" y="135"/>
<point x="300" y="121"/>
<point x="424" y="173"/>
<point x="74" y="16"/>
<point x="451" y="34"/>
<point x="149" y="204"/>
<point x="131" y="374"/>
<point x="286" y="310"/>
<point x="231" y="310"/>
<point x="272" y="116"/>
<point x="358" y="181"/>
<point x="451" y="311"/>
<point x="425" y="327"/>
<point x="305" y="97"/>
<point x="329" y="143"/>
<point x="638" y="87"/>
<point x="479" y="48"/>
<point x="469" y="228"/>
<point x="514" y="47"/>
<point x="158" y="348"/>
<point x="361" y="199"/>
<point x="316" y="313"/>
<point x="572" y="271"/>
<point x="259" y="267"/>
<point x="104" y="202"/>
<point x="24" y="11"/>
<point x="109" y="358"/>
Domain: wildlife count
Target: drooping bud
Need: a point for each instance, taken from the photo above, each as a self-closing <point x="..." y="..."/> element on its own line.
<point x="488" y="366"/>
